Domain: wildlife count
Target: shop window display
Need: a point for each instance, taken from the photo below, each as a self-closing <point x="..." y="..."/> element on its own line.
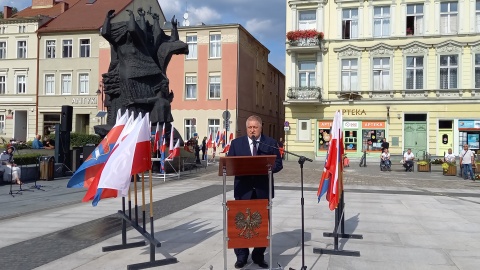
<point x="372" y="139"/>
<point x="323" y="139"/>
<point x="350" y="140"/>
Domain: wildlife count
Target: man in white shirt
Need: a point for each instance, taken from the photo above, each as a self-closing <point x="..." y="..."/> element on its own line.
<point x="385" y="156"/>
<point x="467" y="158"/>
<point x="449" y="156"/>
<point x="408" y="159"/>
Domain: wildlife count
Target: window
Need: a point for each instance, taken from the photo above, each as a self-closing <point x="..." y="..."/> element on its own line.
<point x="191" y="87"/>
<point x="306" y="74"/>
<point x="2" y="124"/>
<point x="21" y="84"/>
<point x="349" y="23"/>
<point x="448" y="17"/>
<point x="477" y="16"/>
<point x="22" y="49"/>
<point x="3" y="84"/>
<point x="304" y="130"/>
<point x="381" y="73"/>
<point x="3" y="49"/>
<point x="414" y="69"/>
<point x="66" y="84"/>
<point x="381" y="21"/>
<point x="21" y="29"/>
<point x="84" y="47"/>
<point x="67" y="48"/>
<point x="214" y="87"/>
<point x="448" y="71"/>
<point x="189" y="129"/>
<point x="215" y="46"/>
<point x="49" y="84"/>
<point x="83" y="87"/>
<point x="414" y="19"/>
<point x="192" y="47"/>
<point x="477" y="71"/>
<point x="349" y="74"/>
<point x="213" y="126"/>
<point x="307" y="19"/>
<point x="50" y="49"/>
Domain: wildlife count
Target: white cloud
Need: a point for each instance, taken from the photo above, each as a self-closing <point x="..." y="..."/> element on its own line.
<point x="170" y="8"/>
<point x="259" y="27"/>
<point x="203" y="14"/>
<point x="20" y="4"/>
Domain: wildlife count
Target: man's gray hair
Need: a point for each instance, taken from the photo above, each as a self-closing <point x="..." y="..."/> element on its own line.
<point x="254" y="118"/>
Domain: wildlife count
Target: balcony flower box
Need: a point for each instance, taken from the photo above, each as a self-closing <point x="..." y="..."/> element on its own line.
<point x="304" y="37"/>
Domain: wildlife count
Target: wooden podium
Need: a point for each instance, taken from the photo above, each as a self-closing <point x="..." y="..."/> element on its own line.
<point x="243" y="228"/>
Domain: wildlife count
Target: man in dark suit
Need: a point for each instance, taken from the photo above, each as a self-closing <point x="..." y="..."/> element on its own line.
<point x="254" y="186"/>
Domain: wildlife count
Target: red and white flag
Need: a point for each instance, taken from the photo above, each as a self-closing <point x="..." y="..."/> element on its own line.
<point x="156" y="141"/>
<point x="117" y="171"/>
<point x="227" y="147"/>
<point x="142" y="159"/>
<point x="210" y="140"/>
<point x="331" y="181"/>
<point x="170" y="147"/>
<point x="175" y="152"/>
<point x="164" y="145"/>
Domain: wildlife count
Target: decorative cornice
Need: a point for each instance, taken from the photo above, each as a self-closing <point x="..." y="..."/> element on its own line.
<point x="449" y="47"/>
<point x="415" y="48"/>
<point x="381" y="49"/>
<point x="349" y="51"/>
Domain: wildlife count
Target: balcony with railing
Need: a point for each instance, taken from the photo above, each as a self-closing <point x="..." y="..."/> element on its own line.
<point x="305" y="40"/>
<point x="304" y="93"/>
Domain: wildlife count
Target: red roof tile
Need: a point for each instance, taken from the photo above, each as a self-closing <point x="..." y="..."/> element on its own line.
<point x="83" y="16"/>
<point x="51" y="12"/>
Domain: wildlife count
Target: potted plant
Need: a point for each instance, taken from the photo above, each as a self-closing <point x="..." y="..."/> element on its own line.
<point x="449" y="168"/>
<point x="423" y="166"/>
<point x="409" y="31"/>
<point x="294" y="37"/>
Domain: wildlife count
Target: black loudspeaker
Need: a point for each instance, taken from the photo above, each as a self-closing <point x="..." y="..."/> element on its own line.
<point x="66" y="118"/>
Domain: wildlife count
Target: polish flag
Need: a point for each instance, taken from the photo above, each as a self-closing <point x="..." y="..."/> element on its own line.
<point x="175" y="152"/>
<point x="142" y="159"/>
<point x="209" y="141"/>
<point x="156" y="141"/>
<point x="227" y="147"/>
<point x="164" y="146"/>
<point x="170" y="147"/>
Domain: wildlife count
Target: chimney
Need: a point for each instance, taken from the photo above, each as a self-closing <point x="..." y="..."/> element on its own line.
<point x="7" y="12"/>
<point x="42" y="3"/>
<point x="63" y="7"/>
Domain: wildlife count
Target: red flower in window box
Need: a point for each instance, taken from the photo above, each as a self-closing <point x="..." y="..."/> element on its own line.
<point x="299" y="34"/>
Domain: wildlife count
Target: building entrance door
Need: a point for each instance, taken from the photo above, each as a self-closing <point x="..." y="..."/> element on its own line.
<point x="20" y="131"/>
<point x="415" y="137"/>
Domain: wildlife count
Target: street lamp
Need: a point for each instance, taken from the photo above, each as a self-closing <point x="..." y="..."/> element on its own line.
<point x="101" y="98"/>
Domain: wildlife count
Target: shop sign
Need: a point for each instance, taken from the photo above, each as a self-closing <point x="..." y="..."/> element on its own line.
<point x="85" y="100"/>
<point x="373" y="125"/>
<point x="353" y="112"/>
<point x="350" y="124"/>
<point x="324" y="124"/>
<point x="466" y="124"/>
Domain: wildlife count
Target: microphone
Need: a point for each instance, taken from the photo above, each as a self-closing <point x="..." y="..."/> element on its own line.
<point x="254" y="141"/>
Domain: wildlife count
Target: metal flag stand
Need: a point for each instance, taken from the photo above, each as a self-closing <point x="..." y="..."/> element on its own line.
<point x="150" y="237"/>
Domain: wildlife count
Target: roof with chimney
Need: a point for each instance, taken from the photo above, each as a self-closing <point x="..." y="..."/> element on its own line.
<point x="85" y="15"/>
<point x="51" y="11"/>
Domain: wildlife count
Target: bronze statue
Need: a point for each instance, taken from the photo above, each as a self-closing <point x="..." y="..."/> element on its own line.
<point x="137" y="76"/>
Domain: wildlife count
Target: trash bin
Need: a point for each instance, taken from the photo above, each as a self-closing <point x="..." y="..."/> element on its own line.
<point x="47" y="167"/>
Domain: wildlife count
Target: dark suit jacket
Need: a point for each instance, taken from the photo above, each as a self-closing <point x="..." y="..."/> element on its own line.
<point x="244" y="185"/>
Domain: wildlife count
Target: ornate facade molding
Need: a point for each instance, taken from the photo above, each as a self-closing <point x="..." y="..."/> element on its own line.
<point x="415" y="48"/>
<point x="381" y="50"/>
<point x="349" y="51"/>
<point x="449" y="47"/>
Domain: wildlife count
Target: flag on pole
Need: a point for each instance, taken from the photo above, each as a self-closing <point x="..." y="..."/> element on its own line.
<point x="331" y="181"/>
<point x="84" y="175"/>
<point x="217" y="139"/>
<point x="117" y="171"/>
<point x="175" y="152"/>
<point x="209" y="141"/>
<point x="142" y="159"/>
<point x="170" y="147"/>
<point x="227" y="147"/>
<point x="156" y="141"/>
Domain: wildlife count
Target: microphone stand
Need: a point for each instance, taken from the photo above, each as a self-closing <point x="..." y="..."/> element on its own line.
<point x="301" y="161"/>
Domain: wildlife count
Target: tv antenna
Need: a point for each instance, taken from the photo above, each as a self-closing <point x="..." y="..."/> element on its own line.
<point x="186" y="22"/>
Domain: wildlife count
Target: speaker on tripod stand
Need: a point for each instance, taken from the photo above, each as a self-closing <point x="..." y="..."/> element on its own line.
<point x="62" y="139"/>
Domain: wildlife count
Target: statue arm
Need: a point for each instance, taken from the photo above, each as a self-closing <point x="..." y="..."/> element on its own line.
<point x="135" y="32"/>
<point x="106" y="28"/>
<point x="174" y="36"/>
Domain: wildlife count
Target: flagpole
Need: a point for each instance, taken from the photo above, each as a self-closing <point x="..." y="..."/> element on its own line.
<point x="143" y="202"/>
<point x="136" y="199"/>
<point x="129" y="203"/>
<point x="152" y="231"/>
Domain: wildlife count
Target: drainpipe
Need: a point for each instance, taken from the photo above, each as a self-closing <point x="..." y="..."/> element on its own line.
<point x="37" y="83"/>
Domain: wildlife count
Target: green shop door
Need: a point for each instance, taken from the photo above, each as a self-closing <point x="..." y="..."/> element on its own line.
<point x="415" y="137"/>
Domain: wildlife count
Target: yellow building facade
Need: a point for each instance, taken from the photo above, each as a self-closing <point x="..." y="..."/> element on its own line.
<point x="406" y="71"/>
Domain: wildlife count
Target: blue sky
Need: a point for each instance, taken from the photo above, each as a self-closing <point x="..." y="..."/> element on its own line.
<point x="264" y="19"/>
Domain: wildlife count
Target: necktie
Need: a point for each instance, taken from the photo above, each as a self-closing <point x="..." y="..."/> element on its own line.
<point x="254" y="149"/>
